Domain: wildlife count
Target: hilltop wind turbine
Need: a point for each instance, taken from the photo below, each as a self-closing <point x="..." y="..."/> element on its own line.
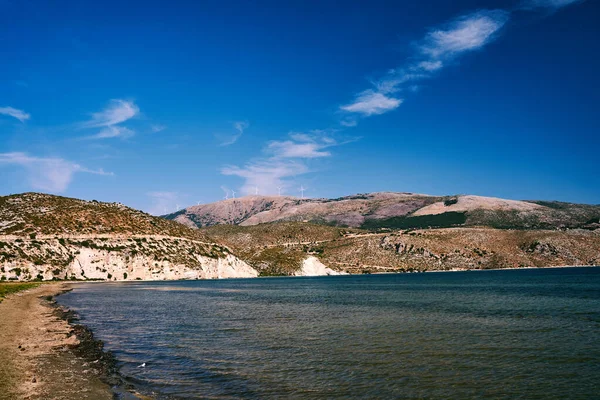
<point x="233" y="193"/>
<point x="256" y="190"/>
<point x="279" y="190"/>
<point x="226" y="195"/>
<point x="176" y="207"/>
<point x="198" y="204"/>
<point x="302" y="189"/>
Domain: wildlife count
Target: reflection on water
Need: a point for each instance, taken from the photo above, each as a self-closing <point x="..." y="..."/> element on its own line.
<point x="499" y="334"/>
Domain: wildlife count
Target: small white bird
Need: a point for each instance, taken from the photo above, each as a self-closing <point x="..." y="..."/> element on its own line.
<point x="143" y="365"/>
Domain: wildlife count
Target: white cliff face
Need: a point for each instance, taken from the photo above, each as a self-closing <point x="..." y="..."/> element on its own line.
<point x="119" y="259"/>
<point x="311" y="266"/>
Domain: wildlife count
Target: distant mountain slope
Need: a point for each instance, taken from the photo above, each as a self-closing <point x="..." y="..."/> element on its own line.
<point x="45" y="237"/>
<point x="282" y="248"/>
<point x="394" y="211"/>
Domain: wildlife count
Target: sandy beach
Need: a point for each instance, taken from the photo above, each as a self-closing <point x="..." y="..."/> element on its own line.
<point x="42" y="356"/>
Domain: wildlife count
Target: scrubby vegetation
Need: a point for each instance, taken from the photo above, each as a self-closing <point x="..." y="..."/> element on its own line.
<point x="34" y="214"/>
<point x="276" y="248"/>
<point x="444" y="220"/>
<point x="280" y="248"/>
<point x="9" y="288"/>
<point x="44" y="236"/>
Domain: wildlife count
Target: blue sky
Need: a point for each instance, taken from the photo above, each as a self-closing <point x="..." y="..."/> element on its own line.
<point x="166" y="104"/>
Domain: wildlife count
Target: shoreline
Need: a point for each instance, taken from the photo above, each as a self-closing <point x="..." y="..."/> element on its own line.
<point x="43" y="355"/>
<point x="514" y="268"/>
<point x="46" y="353"/>
<point x="98" y="281"/>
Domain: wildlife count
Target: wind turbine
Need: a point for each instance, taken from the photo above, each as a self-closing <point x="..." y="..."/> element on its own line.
<point x="226" y="195"/>
<point x="176" y="207"/>
<point x="256" y="190"/>
<point x="279" y="190"/>
<point x="302" y="189"/>
<point x="233" y="193"/>
<point x="198" y="204"/>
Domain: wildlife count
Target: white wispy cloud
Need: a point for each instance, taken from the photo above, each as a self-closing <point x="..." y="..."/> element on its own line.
<point x="15" y="113"/>
<point x="227" y="140"/>
<point x="47" y="173"/>
<point x="370" y="103"/>
<point x="116" y="112"/>
<point x="349" y="122"/>
<point x="466" y="33"/>
<point x="548" y="4"/>
<point x="266" y="175"/>
<point x="301" y="146"/>
<point x="163" y="202"/>
<point x="113" y="131"/>
<point x="158" y="128"/>
<point x="438" y="48"/>
<point x="241" y="126"/>
<point x="429" y="66"/>
<point x="285" y="159"/>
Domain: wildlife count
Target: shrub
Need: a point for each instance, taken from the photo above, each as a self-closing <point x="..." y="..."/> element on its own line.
<point x="443" y="220"/>
<point x="450" y="201"/>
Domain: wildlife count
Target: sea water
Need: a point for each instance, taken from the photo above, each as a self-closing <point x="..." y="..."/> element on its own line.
<point x="531" y="334"/>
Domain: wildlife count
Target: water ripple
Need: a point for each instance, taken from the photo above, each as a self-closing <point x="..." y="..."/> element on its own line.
<point x="495" y="334"/>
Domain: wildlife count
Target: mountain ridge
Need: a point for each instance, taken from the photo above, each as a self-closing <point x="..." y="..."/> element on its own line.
<point x="393" y="210"/>
<point x="49" y="237"/>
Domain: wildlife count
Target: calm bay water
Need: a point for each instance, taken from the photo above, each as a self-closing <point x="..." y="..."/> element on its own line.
<point x="491" y="334"/>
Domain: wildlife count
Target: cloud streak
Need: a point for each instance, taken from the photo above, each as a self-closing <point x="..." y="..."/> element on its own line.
<point x="467" y="33"/>
<point x="266" y="175"/>
<point x="47" y="173"/>
<point x="157" y="128"/>
<point x="117" y="112"/>
<point x="548" y="4"/>
<point x="371" y="102"/>
<point x="240" y="127"/>
<point x="439" y="47"/>
<point x="113" y="132"/>
<point x="285" y="159"/>
<point x="301" y="145"/>
<point x="15" y="113"/>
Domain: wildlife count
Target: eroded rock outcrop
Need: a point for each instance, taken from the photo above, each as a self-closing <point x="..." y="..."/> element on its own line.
<point x="311" y="266"/>
<point x="116" y="258"/>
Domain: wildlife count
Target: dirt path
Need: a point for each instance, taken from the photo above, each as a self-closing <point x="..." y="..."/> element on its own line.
<point x="36" y="361"/>
<point x="12" y="238"/>
<point x="313" y="242"/>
